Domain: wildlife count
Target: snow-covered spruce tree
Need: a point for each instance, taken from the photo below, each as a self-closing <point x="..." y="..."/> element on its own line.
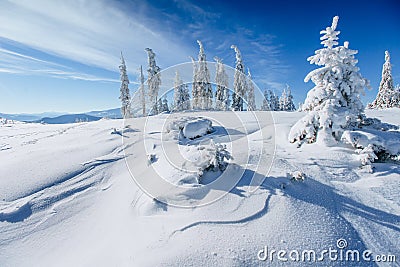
<point x="265" y="105"/>
<point x="142" y="92"/>
<point x="286" y="100"/>
<point x="195" y="92"/>
<point x="397" y="95"/>
<point x="159" y="105"/>
<point x="334" y="104"/>
<point x="181" y="95"/>
<point x="251" y="101"/>
<point x="273" y="101"/>
<point x="222" y="91"/>
<point x="124" y="90"/>
<point x="386" y="97"/>
<point x="164" y="105"/>
<point x="204" y="89"/>
<point x="239" y="82"/>
<point x="186" y="97"/>
<point x="177" y="105"/>
<point x="283" y="100"/>
<point x="290" y="105"/>
<point x="153" y="80"/>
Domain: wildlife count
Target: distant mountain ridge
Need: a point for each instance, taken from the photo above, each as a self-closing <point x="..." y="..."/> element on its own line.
<point x="61" y="118"/>
<point x="68" y="118"/>
<point x="30" y="117"/>
<point x="114" y="113"/>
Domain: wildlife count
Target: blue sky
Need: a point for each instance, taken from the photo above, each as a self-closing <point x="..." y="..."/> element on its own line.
<point x="64" y="55"/>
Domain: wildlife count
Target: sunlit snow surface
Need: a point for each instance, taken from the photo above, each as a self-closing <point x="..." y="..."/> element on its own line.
<point x="76" y="195"/>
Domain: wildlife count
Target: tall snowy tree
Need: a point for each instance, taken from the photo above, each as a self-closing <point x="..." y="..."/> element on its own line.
<point x="251" y="102"/>
<point x="124" y="90"/>
<point x="153" y="80"/>
<point x="203" y="88"/>
<point x="181" y="94"/>
<point x="142" y="92"/>
<point x="165" y="107"/>
<point x="239" y="82"/>
<point x="289" y="104"/>
<point x="283" y="100"/>
<point x="397" y="95"/>
<point x="286" y="100"/>
<point x="162" y="105"/>
<point x="195" y="92"/>
<point x="273" y="101"/>
<point x="186" y="97"/>
<point x="334" y="104"/>
<point x="222" y="91"/>
<point x="387" y="96"/>
<point x="265" y="104"/>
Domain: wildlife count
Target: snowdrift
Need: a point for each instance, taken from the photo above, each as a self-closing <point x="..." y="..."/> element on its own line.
<point x="68" y="196"/>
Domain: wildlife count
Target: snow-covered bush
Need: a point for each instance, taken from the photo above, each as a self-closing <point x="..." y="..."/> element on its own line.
<point x="296" y="176"/>
<point x="151" y="158"/>
<point x="372" y="143"/>
<point x="367" y="156"/>
<point x="215" y="157"/>
<point x="334" y="104"/>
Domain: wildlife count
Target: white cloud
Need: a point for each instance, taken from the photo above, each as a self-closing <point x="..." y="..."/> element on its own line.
<point x="89" y="32"/>
<point x="16" y="63"/>
<point x="94" y="33"/>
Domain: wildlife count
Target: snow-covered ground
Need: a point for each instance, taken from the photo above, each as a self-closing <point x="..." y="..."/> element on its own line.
<point x="68" y="198"/>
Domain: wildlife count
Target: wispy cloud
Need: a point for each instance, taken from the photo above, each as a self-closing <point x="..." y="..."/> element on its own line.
<point x="94" y="32"/>
<point x="17" y="63"/>
<point x="89" y="32"/>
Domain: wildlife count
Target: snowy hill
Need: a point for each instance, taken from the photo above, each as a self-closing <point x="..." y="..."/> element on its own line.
<point x="67" y="197"/>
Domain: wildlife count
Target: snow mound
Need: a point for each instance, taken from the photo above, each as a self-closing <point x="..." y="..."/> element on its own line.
<point x="190" y="127"/>
<point x="389" y="141"/>
<point x="197" y="128"/>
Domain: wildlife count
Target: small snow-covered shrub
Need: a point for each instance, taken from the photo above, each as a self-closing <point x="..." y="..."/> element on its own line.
<point x="151" y="158"/>
<point x="367" y="156"/>
<point x="215" y="157"/>
<point x="372" y="144"/>
<point x="296" y="176"/>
